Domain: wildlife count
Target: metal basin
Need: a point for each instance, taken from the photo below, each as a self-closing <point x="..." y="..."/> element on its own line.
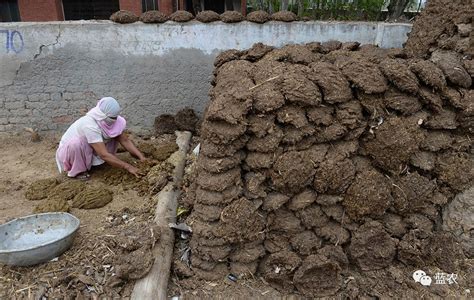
<point x="37" y="238"/>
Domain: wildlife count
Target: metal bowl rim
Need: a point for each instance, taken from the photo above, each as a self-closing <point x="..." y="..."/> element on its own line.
<point x="75" y="228"/>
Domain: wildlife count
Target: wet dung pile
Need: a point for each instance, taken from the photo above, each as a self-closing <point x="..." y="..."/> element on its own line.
<point x="163" y="151"/>
<point x="67" y="189"/>
<point x="93" y="197"/>
<point x="208" y="16"/>
<point x="232" y="16"/>
<point x="39" y="189"/>
<point x="443" y="24"/>
<point x="259" y="16"/>
<point x="165" y="123"/>
<point x="58" y="196"/>
<point x="185" y="119"/>
<point x="121" y="177"/>
<point x="52" y="204"/>
<point x="181" y="16"/>
<point x="327" y="169"/>
<point x="158" y="176"/>
<point x="160" y="151"/>
<point x="153" y="16"/>
<point x="124" y="17"/>
<point x="284" y="16"/>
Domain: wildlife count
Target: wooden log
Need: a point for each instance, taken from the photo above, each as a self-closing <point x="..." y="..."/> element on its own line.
<point x="155" y="284"/>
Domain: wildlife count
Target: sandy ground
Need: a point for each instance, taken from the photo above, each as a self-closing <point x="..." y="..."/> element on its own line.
<point x="23" y="162"/>
<point x="253" y="288"/>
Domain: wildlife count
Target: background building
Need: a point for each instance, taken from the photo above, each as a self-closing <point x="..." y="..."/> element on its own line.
<point x="60" y="10"/>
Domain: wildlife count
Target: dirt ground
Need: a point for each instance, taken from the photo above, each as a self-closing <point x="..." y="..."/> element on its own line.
<point x="106" y="257"/>
<point x="22" y="163"/>
<point x="112" y="247"/>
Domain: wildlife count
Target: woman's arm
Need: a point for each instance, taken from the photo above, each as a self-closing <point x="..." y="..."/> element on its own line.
<point x="113" y="160"/>
<point x="130" y="147"/>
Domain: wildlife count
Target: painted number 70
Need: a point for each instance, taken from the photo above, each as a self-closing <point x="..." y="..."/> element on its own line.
<point x="14" y="41"/>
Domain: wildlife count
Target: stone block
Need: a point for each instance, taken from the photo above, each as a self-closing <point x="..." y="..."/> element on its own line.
<point x="22" y="112"/>
<point x="56" y="97"/>
<point x="34" y="98"/>
<point x="51" y="126"/>
<point x="20" y="97"/>
<point x="79" y="96"/>
<point x="37" y="113"/>
<point x="14" y="105"/>
<point x="68" y="96"/>
<point x="50" y="89"/>
<point x="17" y="120"/>
<point x="6" y="128"/>
<point x="60" y="112"/>
<point x="37" y="105"/>
<point x="56" y="104"/>
<point x="63" y="119"/>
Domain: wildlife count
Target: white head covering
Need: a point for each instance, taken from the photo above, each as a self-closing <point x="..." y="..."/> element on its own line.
<point x="106" y="108"/>
<point x="109" y="106"/>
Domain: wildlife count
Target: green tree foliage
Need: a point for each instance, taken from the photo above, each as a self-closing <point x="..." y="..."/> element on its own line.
<point x="363" y="10"/>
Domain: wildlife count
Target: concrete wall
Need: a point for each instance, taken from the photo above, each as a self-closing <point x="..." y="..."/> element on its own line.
<point x="52" y="72"/>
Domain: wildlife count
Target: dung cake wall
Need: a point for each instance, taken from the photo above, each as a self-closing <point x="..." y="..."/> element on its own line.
<point x="443" y="24"/>
<point x="323" y="162"/>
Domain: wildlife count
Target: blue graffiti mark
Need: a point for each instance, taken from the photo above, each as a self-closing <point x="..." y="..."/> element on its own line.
<point x="14" y="41"/>
<point x="7" y="42"/>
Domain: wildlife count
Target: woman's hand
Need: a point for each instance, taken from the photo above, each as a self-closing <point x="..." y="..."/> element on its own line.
<point x="150" y="160"/>
<point x="134" y="170"/>
<point x="115" y="161"/>
<point x="130" y="147"/>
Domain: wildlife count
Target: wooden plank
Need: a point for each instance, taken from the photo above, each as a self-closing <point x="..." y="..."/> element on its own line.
<point x="155" y="284"/>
